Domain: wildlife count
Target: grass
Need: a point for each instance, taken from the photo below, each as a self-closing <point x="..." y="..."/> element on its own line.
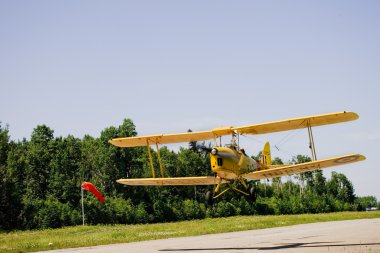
<point x="80" y="236"/>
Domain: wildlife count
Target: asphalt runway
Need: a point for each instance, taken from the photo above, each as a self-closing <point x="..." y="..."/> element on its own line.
<point x="338" y="236"/>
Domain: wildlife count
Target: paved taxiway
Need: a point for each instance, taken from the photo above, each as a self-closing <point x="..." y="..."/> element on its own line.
<point x="338" y="236"/>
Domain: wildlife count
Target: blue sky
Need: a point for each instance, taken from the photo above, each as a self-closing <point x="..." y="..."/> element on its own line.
<point x="81" y="66"/>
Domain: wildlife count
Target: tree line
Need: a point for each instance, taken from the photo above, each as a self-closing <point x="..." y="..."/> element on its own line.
<point x="40" y="182"/>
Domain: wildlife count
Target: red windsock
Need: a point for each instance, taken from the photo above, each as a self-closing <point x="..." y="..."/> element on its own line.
<point x="90" y="187"/>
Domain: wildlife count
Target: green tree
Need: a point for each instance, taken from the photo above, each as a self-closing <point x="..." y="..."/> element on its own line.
<point x="366" y="202"/>
<point x="116" y="162"/>
<point x="302" y="177"/>
<point x="4" y="144"/>
<point x="15" y="183"/>
<point x="40" y="184"/>
<point x="277" y="182"/>
<point x="5" y="187"/>
<point x="64" y="180"/>
<point x="341" y="188"/>
<point x="103" y="163"/>
<point x="277" y="161"/>
<point x="193" y="145"/>
<point x="319" y="183"/>
<point x="39" y="156"/>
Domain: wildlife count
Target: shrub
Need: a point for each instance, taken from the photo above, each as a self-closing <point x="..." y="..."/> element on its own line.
<point x="141" y="215"/>
<point x="193" y="210"/>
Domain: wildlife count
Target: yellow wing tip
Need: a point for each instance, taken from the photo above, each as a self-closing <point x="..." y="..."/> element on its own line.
<point x="113" y="142"/>
<point x="361" y="157"/>
<point x="355" y="116"/>
<point x="117" y="142"/>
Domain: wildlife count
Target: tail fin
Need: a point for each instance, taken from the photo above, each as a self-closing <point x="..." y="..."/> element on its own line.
<point x="265" y="155"/>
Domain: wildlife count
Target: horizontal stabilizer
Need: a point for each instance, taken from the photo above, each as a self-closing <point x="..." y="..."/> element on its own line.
<point x="303" y="167"/>
<point x="174" y="181"/>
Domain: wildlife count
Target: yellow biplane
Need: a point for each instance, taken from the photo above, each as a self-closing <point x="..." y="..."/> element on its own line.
<point x="230" y="164"/>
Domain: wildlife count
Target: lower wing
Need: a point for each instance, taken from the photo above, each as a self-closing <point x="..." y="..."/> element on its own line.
<point x="175" y="181"/>
<point x="303" y="167"/>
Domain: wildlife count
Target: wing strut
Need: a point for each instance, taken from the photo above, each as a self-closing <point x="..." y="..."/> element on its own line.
<point x="311" y="142"/>
<point x="159" y="160"/>
<point x="150" y="159"/>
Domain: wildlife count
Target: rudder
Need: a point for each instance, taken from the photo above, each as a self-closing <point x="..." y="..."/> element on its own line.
<point x="265" y="155"/>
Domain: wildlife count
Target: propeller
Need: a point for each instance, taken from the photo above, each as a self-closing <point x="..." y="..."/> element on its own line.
<point x="205" y="149"/>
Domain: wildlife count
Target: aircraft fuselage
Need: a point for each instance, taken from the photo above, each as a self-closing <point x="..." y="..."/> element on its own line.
<point x="230" y="163"/>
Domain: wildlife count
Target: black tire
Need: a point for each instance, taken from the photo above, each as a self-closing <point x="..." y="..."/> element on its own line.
<point x="252" y="190"/>
<point x="209" y="198"/>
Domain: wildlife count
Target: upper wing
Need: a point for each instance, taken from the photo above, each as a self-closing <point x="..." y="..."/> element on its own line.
<point x="297" y="123"/>
<point x="170" y="138"/>
<point x="264" y="128"/>
<point x="175" y="181"/>
<point x="161" y="139"/>
<point x="303" y="167"/>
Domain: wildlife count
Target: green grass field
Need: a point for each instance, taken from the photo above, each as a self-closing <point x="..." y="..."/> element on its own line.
<point x="80" y="236"/>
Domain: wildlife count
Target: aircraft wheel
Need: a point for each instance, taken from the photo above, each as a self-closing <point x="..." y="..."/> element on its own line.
<point x="209" y="198"/>
<point x="252" y="190"/>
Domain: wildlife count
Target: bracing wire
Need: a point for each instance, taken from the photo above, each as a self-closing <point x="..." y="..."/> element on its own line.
<point x="251" y="138"/>
<point x="278" y="146"/>
<point x="287" y="138"/>
<point x="290" y="135"/>
<point x="281" y="150"/>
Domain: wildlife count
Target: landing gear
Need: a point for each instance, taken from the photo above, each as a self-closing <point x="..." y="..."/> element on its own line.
<point x="209" y="198"/>
<point x="252" y="190"/>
